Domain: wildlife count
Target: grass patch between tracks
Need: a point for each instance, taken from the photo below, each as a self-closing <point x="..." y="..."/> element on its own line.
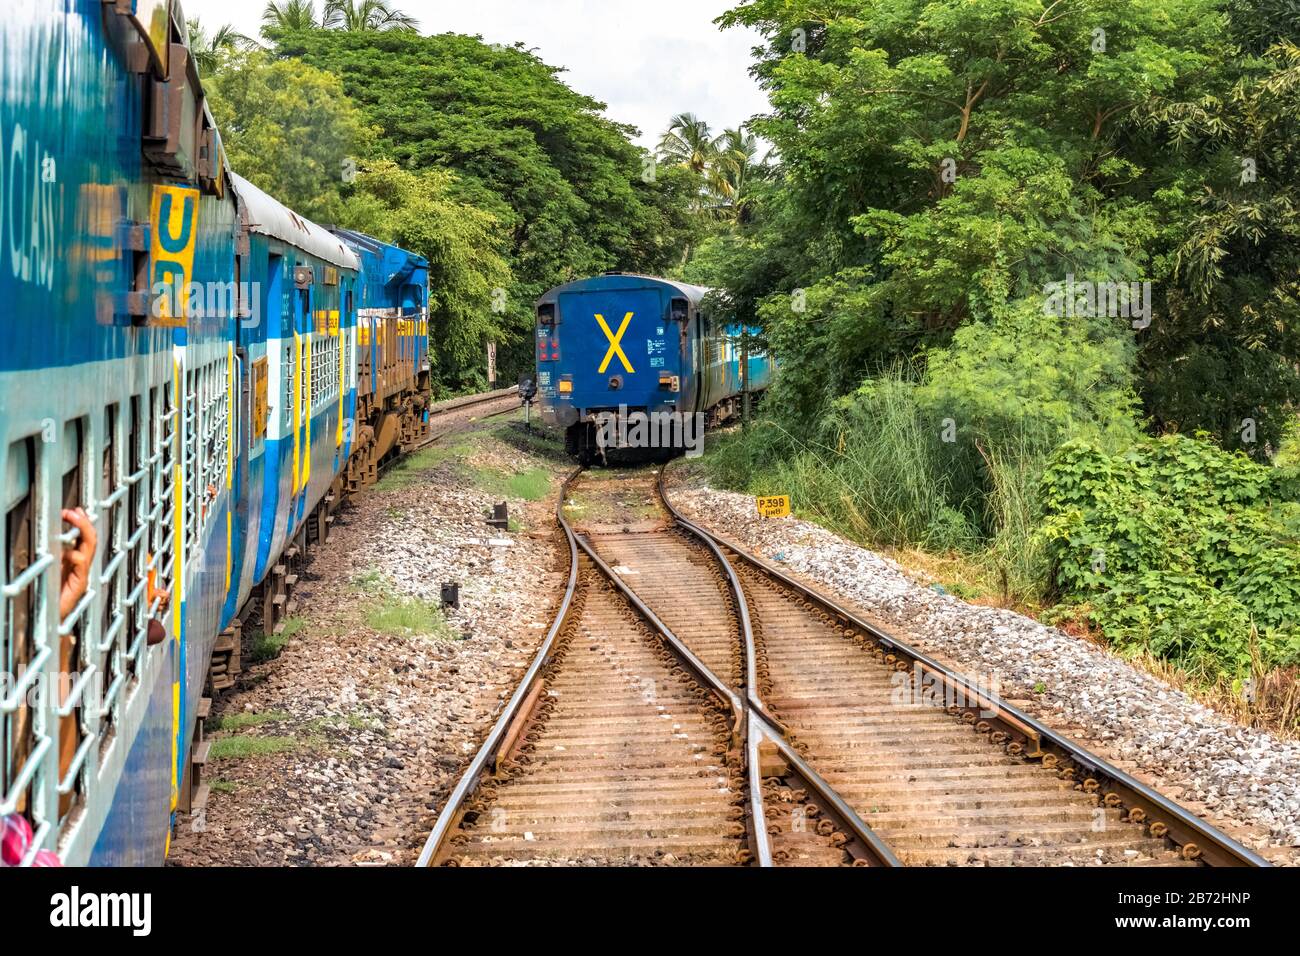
<point x="410" y="470"/>
<point x="268" y="646"/>
<point x="391" y="613"/>
<point x="241" y="747"/>
<point x="395" y="614"/>
<point x="531" y="485"/>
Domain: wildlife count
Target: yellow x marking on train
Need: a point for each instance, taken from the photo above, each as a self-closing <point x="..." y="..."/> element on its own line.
<point x="614" y="339"/>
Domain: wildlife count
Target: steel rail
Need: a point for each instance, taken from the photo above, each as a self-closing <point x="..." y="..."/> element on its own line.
<point x="865" y="844"/>
<point x="740" y="735"/>
<point x="523" y="698"/>
<point x="1195" y="838"/>
<point x="453" y="810"/>
<point x="459" y="405"/>
<point x="468" y="401"/>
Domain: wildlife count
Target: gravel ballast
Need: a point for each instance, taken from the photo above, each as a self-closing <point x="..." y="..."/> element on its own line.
<point x="360" y="732"/>
<point x="1242" y="779"/>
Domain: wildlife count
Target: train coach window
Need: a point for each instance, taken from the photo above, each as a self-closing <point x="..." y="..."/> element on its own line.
<point x="20" y="654"/>
<point x="261" y="411"/>
<point x="324" y="368"/>
<point x="680" y="310"/>
<point x="190" y="462"/>
<point x="113" y="509"/>
<point x="159" y="506"/>
<point x="546" y="314"/>
<point x="288" y="376"/>
<point x="207" y="423"/>
<point x="304" y="382"/>
<point x="74" y="670"/>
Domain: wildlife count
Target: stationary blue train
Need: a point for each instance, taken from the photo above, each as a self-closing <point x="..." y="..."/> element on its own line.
<point x="203" y="371"/>
<point x="616" y="346"/>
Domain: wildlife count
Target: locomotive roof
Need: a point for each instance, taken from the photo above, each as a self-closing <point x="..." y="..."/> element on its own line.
<point x="267" y="217"/>
<point x="394" y="263"/>
<point x="611" y="280"/>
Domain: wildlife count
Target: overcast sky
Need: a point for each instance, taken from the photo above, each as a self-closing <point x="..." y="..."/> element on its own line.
<point x="646" y="59"/>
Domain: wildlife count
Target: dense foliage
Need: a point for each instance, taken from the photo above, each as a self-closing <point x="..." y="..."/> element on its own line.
<point x="571" y="192"/>
<point x="288" y="128"/>
<point x="291" y="130"/>
<point x="1179" y="548"/>
<point x="464" y="246"/>
<point x="943" y="160"/>
<point x="955" y="177"/>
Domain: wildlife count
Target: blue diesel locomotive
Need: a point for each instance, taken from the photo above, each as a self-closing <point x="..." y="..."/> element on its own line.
<point x="617" y="347"/>
<point x="196" y="367"/>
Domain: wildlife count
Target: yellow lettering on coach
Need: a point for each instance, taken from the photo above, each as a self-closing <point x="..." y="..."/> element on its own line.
<point x="174" y="212"/>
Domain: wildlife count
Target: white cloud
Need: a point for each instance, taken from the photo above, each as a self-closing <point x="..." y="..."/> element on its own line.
<point x="646" y="59"/>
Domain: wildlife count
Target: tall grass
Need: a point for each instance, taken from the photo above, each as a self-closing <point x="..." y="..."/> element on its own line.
<point x="885" y="469"/>
<point x="1013" y="510"/>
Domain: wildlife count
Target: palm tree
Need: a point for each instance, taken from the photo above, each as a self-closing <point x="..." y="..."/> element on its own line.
<point x="208" y="51"/>
<point x="288" y="15"/>
<point x="735" y="157"/>
<point x="366" y="15"/>
<point x="689" y="142"/>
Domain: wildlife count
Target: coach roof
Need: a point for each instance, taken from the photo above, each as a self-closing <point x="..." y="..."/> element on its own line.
<point x="613" y="281"/>
<point x="267" y="217"/>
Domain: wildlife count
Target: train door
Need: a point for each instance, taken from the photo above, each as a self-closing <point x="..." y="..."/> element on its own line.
<point x="246" y="351"/>
<point x="270" y="441"/>
<point x="626" y="343"/>
<point x="302" y="397"/>
<point x="347" y="399"/>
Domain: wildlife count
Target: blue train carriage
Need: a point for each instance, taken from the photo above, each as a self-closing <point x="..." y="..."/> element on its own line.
<point x="117" y="386"/>
<point x="298" y="353"/>
<point x="620" y="344"/>
<point x="393" y="381"/>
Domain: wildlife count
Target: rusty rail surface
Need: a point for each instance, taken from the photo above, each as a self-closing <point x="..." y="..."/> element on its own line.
<point x="624" y="786"/>
<point x="485" y="757"/>
<point x="465" y="401"/>
<point x="1141" y="826"/>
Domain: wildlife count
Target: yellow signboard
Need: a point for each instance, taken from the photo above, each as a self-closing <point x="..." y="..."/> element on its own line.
<point x="261" y="409"/>
<point x="175" y="217"/>
<point x="773" y="506"/>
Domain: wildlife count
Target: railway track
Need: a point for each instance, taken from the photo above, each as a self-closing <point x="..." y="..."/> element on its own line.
<point x="819" y="739"/>
<point x="454" y="415"/>
<point x="447" y="417"/>
<point x="622" y="747"/>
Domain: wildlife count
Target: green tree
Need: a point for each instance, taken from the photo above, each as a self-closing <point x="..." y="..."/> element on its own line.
<point x="1259" y="24"/>
<point x="573" y="194"/>
<point x="465" y="248"/>
<point x="688" y="142"/>
<point x="734" y="164"/>
<point x="289" y="129"/>
<point x="944" y="159"/>
<point x="1223" y="357"/>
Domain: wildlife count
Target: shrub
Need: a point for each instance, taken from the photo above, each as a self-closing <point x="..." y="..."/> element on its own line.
<point x="1179" y="548"/>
